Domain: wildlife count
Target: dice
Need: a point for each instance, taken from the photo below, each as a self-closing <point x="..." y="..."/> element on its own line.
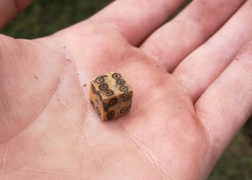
<point x="110" y="96"/>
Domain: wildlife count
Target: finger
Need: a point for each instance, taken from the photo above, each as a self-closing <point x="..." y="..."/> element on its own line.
<point x="10" y="8"/>
<point x="193" y="26"/>
<point x="205" y="64"/>
<point x="135" y="20"/>
<point x="227" y="103"/>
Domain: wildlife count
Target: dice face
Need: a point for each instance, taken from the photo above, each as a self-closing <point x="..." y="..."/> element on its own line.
<point x="111" y="96"/>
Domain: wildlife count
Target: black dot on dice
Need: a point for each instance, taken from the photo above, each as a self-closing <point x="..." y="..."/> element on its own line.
<point x="109" y="93"/>
<point x="110" y="114"/>
<point x="98" y="111"/>
<point x="120" y="82"/>
<point x="124" y="110"/>
<point x="103" y="87"/>
<point x="126" y="98"/>
<point x="112" y="102"/>
<point x="100" y="97"/>
<point x="105" y="106"/>
<point x="99" y="80"/>
<point x="93" y="89"/>
<point x="116" y="75"/>
<point x="123" y="88"/>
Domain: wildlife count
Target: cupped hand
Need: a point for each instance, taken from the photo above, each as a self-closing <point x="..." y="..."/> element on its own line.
<point x="192" y="83"/>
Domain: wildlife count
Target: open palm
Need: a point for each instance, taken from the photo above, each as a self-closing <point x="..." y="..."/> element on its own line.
<point x="190" y="97"/>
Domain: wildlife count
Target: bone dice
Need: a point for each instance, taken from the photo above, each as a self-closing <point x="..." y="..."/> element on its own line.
<point x="110" y="96"/>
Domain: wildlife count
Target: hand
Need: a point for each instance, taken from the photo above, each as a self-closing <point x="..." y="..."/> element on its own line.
<point x="192" y="81"/>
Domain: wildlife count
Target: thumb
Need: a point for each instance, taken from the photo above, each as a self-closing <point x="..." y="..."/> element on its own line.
<point x="30" y="72"/>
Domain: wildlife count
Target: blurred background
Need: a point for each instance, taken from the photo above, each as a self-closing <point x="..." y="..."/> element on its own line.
<point x="45" y="17"/>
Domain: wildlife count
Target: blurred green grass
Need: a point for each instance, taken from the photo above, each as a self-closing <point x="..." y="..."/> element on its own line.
<point x="236" y="162"/>
<point x="45" y="17"/>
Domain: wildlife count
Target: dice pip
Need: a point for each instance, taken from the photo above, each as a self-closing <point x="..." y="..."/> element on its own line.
<point x="110" y="96"/>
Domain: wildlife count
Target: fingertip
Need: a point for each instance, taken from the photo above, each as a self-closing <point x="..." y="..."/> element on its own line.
<point x="22" y="4"/>
<point x="10" y="8"/>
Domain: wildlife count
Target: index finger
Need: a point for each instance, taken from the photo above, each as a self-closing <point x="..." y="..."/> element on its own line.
<point x="136" y="20"/>
<point x="10" y="8"/>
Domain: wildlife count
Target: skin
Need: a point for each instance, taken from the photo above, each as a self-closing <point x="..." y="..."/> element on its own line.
<point x="192" y="82"/>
